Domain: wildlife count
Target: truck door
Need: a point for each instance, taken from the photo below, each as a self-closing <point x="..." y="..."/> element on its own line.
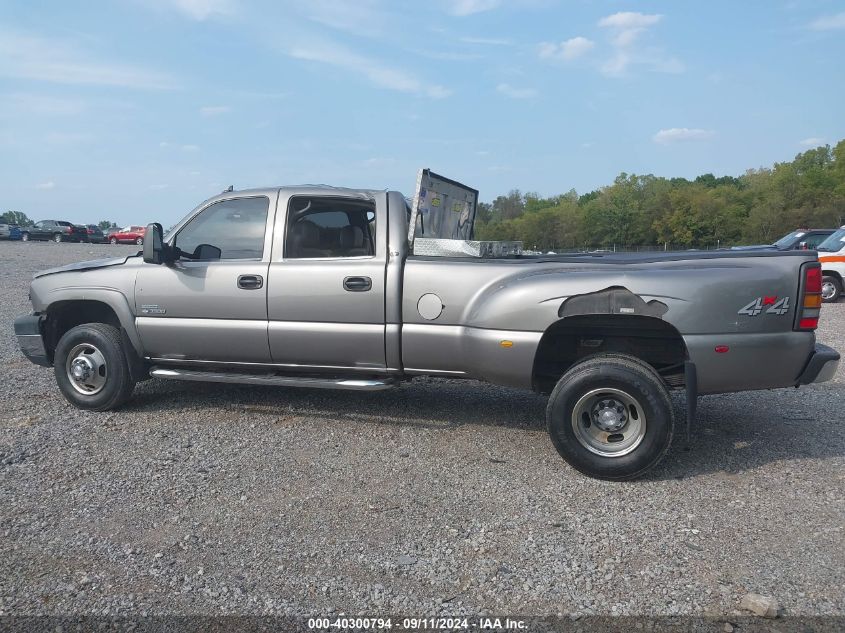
<point x="213" y="308"/>
<point x="325" y="301"/>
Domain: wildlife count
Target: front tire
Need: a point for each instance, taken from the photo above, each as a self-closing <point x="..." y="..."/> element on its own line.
<point x="831" y="289"/>
<point x="610" y="417"/>
<point x="91" y="367"/>
<point x="24" y="237"/>
<point x="112" y="240"/>
<point x="140" y="241"/>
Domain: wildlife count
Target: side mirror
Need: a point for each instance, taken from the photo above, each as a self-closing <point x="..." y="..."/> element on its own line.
<point x="154" y="244"/>
<point x="205" y="252"/>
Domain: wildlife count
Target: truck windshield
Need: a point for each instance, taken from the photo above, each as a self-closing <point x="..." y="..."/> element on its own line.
<point x="834" y="243"/>
<point x="787" y="240"/>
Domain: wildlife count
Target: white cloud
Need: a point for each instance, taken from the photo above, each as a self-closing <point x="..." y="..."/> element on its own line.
<point x="361" y="17"/>
<point x="24" y="56"/>
<point x="196" y="9"/>
<point x="567" y="50"/>
<point x="829" y="22"/>
<point x="46" y="185"/>
<point x="190" y="148"/>
<point x="626" y="29"/>
<point x="214" y="110"/>
<point x="630" y="20"/>
<point x="489" y="41"/>
<point x="681" y="134"/>
<point x="468" y="7"/>
<point x="516" y="93"/>
<point x="43" y="104"/>
<point x="158" y="187"/>
<point x="373" y="70"/>
<point x="813" y="141"/>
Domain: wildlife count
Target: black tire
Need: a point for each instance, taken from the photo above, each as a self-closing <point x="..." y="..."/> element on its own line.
<point x="140" y="241"/>
<point x="118" y="382"/>
<point x="24" y="237"/>
<point x="112" y="240"/>
<point x="622" y="376"/>
<point x="57" y="238"/>
<point x="837" y="289"/>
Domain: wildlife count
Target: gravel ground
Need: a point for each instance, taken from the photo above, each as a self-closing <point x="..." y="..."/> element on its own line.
<point x="438" y="497"/>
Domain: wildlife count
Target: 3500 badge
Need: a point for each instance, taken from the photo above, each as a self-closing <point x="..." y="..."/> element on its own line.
<point x="775" y="306"/>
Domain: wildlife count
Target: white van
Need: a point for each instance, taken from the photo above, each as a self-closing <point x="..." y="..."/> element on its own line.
<point x="832" y="258"/>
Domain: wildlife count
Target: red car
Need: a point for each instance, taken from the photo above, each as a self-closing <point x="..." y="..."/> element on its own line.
<point x="128" y="235"/>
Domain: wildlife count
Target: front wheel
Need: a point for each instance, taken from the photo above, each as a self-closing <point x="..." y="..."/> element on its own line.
<point x="831" y="289"/>
<point x="91" y="367"/>
<point x="140" y="241"/>
<point x="57" y="238"/>
<point x="112" y="240"/>
<point x="24" y="237"/>
<point x="610" y="417"/>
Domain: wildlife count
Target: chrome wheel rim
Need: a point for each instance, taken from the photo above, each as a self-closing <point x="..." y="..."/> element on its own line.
<point x="828" y="290"/>
<point x="139" y="241"/>
<point x="57" y="238"/>
<point x="25" y="237"/>
<point x="86" y="369"/>
<point x="609" y="422"/>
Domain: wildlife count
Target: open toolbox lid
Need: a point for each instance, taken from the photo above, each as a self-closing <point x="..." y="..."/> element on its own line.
<point x="442" y="208"/>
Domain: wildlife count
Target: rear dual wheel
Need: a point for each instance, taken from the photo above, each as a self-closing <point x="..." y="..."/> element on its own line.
<point x="610" y="417"/>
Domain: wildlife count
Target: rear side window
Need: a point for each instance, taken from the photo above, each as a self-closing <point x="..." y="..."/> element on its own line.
<point x="235" y="226"/>
<point x="814" y="239"/>
<point x="330" y="227"/>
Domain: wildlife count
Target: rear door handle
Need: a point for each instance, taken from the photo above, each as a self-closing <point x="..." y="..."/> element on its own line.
<point x="250" y="282"/>
<point x="357" y="284"/>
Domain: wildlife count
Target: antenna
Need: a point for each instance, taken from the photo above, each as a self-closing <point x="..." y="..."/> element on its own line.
<point x="229" y="189"/>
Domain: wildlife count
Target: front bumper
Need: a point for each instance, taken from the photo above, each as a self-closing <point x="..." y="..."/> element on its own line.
<point x="30" y="339"/>
<point x="820" y="367"/>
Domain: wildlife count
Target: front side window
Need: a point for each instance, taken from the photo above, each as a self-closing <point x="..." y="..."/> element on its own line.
<point x="330" y="227"/>
<point x="814" y="240"/>
<point x="834" y="243"/>
<point x="235" y="226"/>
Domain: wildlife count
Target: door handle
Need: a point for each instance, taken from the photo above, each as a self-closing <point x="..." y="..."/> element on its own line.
<point x="250" y="282"/>
<point x="357" y="284"/>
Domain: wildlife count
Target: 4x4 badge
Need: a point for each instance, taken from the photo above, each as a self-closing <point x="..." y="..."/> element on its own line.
<point x="775" y="306"/>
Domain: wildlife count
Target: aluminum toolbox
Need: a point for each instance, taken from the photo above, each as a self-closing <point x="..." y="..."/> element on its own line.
<point x="465" y="248"/>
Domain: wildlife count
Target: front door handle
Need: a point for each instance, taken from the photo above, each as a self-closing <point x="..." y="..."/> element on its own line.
<point x="357" y="284"/>
<point x="250" y="282"/>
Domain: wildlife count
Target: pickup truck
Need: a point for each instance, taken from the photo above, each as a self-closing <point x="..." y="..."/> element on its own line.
<point x="324" y="287"/>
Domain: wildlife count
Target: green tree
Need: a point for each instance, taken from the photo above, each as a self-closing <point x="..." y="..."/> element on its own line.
<point x="15" y="217"/>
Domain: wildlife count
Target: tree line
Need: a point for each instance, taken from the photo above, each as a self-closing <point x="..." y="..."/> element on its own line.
<point x="649" y="211"/>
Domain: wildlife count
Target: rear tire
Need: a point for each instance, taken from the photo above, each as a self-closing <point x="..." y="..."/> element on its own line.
<point x="831" y="289"/>
<point x="24" y="237"/>
<point x="112" y="240"/>
<point x="610" y="417"/>
<point x="57" y="238"/>
<point x="91" y="367"/>
<point x="140" y="241"/>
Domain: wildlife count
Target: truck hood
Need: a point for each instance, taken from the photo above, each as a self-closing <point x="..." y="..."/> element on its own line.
<point x="90" y="265"/>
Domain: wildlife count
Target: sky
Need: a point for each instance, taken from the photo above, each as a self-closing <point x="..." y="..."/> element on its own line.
<point x="137" y="110"/>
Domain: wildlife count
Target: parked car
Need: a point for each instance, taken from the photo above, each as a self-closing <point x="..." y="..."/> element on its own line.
<point x="331" y="288"/>
<point x="55" y="230"/>
<point x="95" y="234"/>
<point x="10" y="232"/>
<point x="800" y="239"/>
<point x="128" y="235"/>
<point x="832" y="259"/>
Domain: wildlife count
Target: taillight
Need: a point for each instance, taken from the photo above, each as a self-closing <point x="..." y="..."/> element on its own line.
<point x="810" y="293"/>
<point x="68" y="229"/>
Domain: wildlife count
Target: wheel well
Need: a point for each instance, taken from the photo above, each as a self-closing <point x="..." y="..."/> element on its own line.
<point x="64" y="315"/>
<point x="832" y="273"/>
<point x="575" y="338"/>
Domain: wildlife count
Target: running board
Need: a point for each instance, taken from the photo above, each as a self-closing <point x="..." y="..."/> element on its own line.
<point x="274" y="380"/>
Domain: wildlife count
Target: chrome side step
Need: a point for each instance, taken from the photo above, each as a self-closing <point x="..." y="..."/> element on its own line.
<point x="275" y="380"/>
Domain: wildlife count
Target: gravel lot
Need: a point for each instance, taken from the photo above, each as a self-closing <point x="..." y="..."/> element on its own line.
<point x="438" y="497"/>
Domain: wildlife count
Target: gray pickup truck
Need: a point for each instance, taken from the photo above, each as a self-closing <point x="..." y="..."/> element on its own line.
<point x="323" y="287"/>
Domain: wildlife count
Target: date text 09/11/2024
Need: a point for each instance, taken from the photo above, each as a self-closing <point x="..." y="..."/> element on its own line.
<point x="416" y="624"/>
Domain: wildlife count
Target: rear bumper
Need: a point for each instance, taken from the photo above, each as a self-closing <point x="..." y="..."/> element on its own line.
<point x="821" y="366"/>
<point x="30" y="340"/>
